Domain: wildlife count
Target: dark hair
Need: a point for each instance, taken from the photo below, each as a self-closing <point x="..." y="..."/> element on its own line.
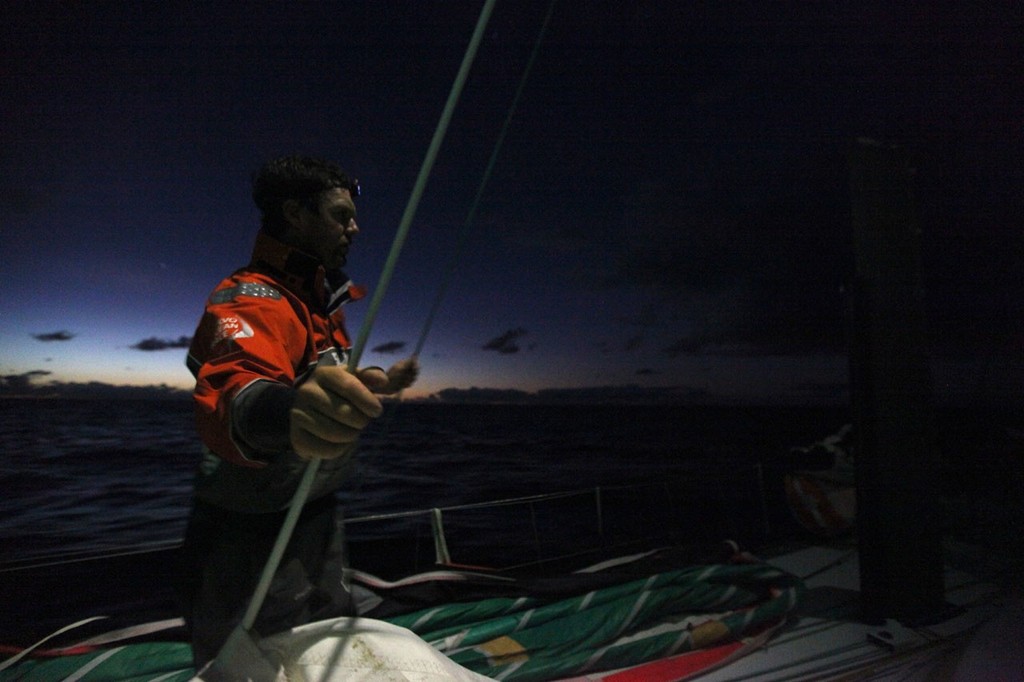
<point x="301" y="178"/>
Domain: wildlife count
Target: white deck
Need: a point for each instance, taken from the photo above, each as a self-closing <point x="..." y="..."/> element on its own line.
<point x="826" y="641"/>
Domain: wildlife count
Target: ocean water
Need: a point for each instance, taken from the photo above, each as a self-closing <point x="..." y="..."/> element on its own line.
<point x="81" y="475"/>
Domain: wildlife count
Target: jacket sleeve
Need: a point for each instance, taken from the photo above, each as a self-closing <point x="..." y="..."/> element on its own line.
<point x="250" y="334"/>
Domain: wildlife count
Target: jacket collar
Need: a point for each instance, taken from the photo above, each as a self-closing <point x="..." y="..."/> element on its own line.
<point x="303" y="274"/>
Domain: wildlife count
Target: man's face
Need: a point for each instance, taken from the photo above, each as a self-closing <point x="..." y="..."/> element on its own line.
<point x="328" y="233"/>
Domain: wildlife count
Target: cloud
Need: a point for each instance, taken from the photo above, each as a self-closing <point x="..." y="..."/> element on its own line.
<point x="628" y="393"/>
<point x="153" y="343"/>
<point x="506" y="343"/>
<point x="62" y="335"/>
<point x="483" y="395"/>
<point x="21" y="383"/>
<point x="389" y="347"/>
<point x="602" y="395"/>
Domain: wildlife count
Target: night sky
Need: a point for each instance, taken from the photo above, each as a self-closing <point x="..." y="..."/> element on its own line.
<point x="670" y="208"/>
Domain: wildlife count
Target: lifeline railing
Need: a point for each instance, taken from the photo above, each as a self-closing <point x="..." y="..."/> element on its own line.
<point x="691" y="489"/>
<point x="691" y="500"/>
<point x="442" y="555"/>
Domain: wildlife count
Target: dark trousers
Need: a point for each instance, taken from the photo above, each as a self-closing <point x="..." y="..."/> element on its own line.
<point x="224" y="555"/>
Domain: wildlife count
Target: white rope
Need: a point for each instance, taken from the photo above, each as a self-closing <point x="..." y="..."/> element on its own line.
<point x="456" y="253"/>
<point x="299" y="499"/>
<point x="92" y="665"/>
<point x="25" y="652"/>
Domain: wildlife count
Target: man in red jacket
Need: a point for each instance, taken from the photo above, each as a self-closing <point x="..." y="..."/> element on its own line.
<point x="272" y="392"/>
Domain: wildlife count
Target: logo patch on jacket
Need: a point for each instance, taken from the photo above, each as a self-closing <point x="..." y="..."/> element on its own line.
<point x="230" y="328"/>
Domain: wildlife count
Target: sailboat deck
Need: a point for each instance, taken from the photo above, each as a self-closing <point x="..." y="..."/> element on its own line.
<point x="827" y="641"/>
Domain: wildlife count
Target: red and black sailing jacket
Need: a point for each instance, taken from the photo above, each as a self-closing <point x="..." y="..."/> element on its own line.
<point x="274" y="320"/>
